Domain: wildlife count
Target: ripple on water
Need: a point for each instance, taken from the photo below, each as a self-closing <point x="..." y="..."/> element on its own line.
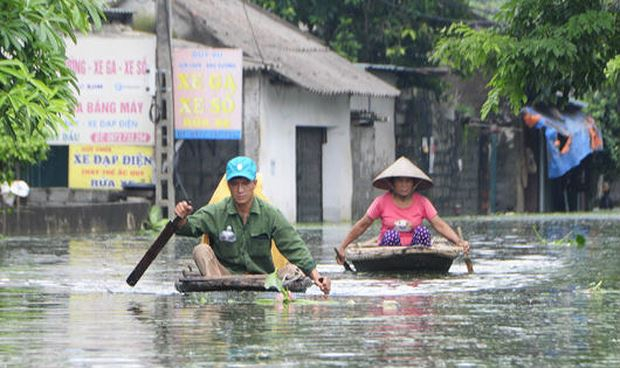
<point x="527" y="304"/>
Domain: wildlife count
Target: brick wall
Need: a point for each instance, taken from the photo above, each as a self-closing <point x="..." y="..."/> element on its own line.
<point x="461" y="167"/>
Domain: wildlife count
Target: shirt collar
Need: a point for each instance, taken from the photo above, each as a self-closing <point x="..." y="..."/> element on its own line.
<point x="232" y="210"/>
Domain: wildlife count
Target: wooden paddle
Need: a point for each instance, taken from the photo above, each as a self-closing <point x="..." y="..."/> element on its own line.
<point x="468" y="263"/>
<point x="153" y="251"/>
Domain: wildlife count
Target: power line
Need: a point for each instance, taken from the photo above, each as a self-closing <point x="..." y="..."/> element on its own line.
<point x="260" y="53"/>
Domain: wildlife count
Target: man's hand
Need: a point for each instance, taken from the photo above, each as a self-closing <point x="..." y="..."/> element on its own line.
<point x="183" y="209"/>
<point x="324" y="283"/>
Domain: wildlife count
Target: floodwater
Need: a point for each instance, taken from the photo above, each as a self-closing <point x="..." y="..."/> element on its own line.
<point x="533" y="301"/>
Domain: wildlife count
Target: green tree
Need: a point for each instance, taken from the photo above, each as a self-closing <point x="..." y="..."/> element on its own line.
<point x="613" y="69"/>
<point x="604" y="106"/>
<point x="400" y="32"/>
<point x="36" y="87"/>
<point x="540" y="51"/>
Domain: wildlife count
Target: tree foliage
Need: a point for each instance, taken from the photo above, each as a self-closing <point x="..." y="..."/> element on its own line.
<point x="613" y="69"/>
<point x="400" y="32"/>
<point x="540" y="51"/>
<point x="604" y="106"/>
<point x="36" y="87"/>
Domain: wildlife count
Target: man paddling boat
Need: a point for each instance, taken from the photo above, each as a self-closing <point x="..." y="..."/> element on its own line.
<point x="240" y="230"/>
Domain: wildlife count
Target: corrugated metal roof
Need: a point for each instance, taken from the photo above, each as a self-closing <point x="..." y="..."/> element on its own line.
<point x="433" y="70"/>
<point x="280" y="47"/>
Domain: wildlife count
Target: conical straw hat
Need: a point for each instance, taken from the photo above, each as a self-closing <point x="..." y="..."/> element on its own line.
<point x="402" y="168"/>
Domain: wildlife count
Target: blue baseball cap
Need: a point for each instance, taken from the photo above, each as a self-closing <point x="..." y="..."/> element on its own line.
<point x="241" y="166"/>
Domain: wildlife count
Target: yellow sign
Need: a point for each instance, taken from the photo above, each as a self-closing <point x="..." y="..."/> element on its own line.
<point x="109" y="167"/>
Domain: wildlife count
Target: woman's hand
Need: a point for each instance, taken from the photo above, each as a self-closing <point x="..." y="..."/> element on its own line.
<point x="358" y="229"/>
<point x="340" y="258"/>
<point x="463" y="244"/>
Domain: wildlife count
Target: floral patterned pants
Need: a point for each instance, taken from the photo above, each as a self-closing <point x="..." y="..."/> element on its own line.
<point x="421" y="236"/>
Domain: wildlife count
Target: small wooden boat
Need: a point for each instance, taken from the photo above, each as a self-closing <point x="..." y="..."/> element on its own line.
<point x="194" y="282"/>
<point x="437" y="259"/>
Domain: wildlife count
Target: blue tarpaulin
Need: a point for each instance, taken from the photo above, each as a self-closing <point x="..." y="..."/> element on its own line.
<point x="570" y="137"/>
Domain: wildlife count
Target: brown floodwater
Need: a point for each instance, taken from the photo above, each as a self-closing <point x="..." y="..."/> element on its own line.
<point x="532" y="301"/>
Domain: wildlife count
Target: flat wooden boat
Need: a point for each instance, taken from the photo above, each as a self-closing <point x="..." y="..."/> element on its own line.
<point x="194" y="282"/>
<point x="436" y="259"/>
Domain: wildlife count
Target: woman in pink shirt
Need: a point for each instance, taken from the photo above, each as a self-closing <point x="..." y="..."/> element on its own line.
<point x="402" y="211"/>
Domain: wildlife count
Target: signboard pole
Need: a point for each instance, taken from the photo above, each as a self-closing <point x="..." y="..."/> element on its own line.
<point x="163" y="118"/>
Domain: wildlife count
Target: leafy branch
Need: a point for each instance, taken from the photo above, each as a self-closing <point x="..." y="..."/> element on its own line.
<point x="37" y="88"/>
<point x="596" y="286"/>
<point x="273" y="281"/>
<point x="155" y="222"/>
<point x="567" y="240"/>
<point x="612" y="71"/>
<point x="569" y="50"/>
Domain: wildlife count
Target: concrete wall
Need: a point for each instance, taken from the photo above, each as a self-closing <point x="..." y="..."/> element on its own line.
<point x="372" y="149"/>
<point x="252" y="108"/>
<point x="55" y="211"/>
<point x="271" y="137"/>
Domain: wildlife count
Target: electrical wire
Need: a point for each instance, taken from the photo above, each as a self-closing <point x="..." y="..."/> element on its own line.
<point x="260" y="53"/>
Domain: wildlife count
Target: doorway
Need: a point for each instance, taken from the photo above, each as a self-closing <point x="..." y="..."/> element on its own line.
<point x="309" y="173"/>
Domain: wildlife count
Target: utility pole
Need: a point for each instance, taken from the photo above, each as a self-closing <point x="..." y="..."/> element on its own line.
<point x="164" y="117"/>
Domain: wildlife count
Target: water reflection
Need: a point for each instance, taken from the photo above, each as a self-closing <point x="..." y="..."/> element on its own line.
<point x="64" y="302"/>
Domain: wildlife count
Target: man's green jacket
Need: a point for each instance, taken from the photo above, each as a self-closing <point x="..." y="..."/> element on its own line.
<point x="249" y="250"/>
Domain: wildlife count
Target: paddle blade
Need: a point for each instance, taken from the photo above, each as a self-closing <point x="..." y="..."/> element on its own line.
<point x="468" y="262"/>
<point x="153" y="251"/>
<point x="346" y="264"/>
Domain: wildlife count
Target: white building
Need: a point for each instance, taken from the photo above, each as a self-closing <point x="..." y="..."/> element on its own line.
<point x="311" y="119"/>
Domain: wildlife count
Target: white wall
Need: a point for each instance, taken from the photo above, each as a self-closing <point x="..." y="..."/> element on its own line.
<point x="385" y="141"/>
<point x="283" y="108"/>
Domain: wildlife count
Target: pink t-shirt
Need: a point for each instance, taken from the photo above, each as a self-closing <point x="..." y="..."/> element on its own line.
<point x="406" y="219"/>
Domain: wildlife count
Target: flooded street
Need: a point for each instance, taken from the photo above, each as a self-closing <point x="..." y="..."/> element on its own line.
<point x="533" y="301"/>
